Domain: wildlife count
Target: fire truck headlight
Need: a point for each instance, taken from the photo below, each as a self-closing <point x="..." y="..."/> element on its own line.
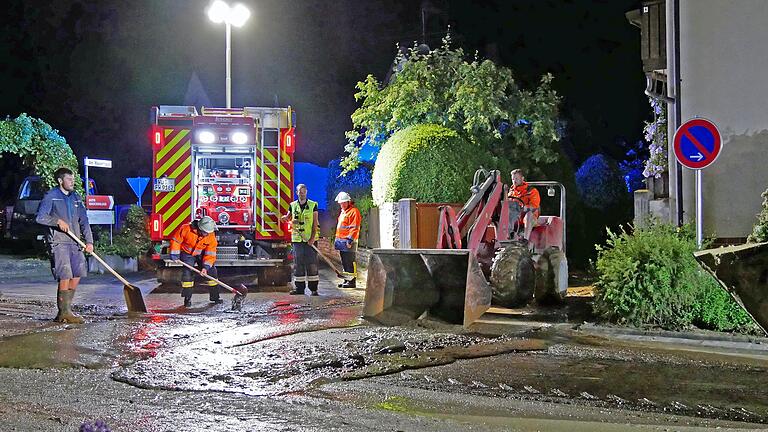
<point x="239" y="137"/>
<point x="206" y="137"/>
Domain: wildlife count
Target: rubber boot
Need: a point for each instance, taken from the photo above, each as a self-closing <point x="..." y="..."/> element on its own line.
<point x="349" y="284"/>
<point x="64" y="303"/>
<point x="213" y="294"/>
<point x="187" y="294"/>
<point x="313" y="287"/>
<point x="298" y="288"/>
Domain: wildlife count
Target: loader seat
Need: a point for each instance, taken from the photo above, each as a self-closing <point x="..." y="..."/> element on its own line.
<point x="548" y="232"/>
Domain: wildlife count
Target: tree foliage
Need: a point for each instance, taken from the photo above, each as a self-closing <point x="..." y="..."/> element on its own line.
<point x="133" y="239"/>
<point x="40" y="147"/>
<point x="477" y="98"/>
<point x="599" y="182"/>
<point x="430" y="163"/>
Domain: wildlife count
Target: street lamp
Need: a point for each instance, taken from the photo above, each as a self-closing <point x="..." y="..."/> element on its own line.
<point x="218" y="12"/>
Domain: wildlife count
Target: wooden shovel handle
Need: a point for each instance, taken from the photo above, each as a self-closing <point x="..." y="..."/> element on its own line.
<point x="98" y="258"/>
<point x="207" y="276"/>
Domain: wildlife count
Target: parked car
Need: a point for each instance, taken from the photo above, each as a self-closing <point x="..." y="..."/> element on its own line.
<point x="23" y="226"/>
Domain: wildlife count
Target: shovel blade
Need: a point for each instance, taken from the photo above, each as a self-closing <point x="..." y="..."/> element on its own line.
<point x="403" y="284"/>
<point x="134" y="299"/>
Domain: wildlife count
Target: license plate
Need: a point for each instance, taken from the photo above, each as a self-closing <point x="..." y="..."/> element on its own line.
<point x="164" y="184"/>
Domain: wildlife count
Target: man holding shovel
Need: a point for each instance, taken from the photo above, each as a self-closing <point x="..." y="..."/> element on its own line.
<point x="305" y="230"/>
<point x="62" y="211"/>
<point x="195" y="244"/>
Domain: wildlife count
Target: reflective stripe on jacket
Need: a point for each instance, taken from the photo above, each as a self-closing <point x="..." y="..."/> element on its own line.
<point x="348" y="226"/>
<point x="190" y="241"/>
<point x="302" y="220"/>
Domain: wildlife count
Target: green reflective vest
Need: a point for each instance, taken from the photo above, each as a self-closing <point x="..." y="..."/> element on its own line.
<point x="301" y="221"/>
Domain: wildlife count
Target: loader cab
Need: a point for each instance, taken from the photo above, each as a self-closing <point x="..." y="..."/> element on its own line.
<point x="550" y="229"/>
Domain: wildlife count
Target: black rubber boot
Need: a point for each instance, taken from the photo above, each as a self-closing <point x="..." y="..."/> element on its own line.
<point x="213" y="295"/>
<point x="64" y="303"/>
<point x="298" y="288"/>
<point x="349" y="284"/>
<point x="187" y="294"/>
<point x="313" y="287"/>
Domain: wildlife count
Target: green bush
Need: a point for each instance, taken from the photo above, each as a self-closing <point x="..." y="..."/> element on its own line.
<point x="760" y="231"/>
<point x="429" y="163"/>
<point x="716" y="310"/>
<point x="649" y="277"/>
<point x="133" y="239"/>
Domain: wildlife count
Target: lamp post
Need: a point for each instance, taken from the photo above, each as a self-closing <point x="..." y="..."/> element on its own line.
<point x="218" y="12"/>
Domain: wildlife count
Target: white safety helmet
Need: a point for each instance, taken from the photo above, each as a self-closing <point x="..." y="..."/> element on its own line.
<point x="206" y="224"/>
<point x="343" y="197"/>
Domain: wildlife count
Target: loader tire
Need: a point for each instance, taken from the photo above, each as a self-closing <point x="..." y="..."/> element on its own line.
<point x="512" y="277"/>
<point x="551" y="277"/>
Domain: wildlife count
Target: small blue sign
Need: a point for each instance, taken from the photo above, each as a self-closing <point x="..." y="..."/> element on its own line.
<point x="138" y="184"/>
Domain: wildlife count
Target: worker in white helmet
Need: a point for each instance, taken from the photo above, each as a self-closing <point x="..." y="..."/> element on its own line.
<point x="347" y="233"/>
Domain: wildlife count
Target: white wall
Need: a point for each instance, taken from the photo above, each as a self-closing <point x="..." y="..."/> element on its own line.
<point x="724" y="77"/>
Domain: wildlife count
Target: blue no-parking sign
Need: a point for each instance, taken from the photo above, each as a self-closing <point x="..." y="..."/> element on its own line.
<point x="697" y="143"/>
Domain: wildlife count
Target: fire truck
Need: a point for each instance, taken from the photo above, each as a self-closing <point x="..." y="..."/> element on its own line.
<point x="234" y="165"/>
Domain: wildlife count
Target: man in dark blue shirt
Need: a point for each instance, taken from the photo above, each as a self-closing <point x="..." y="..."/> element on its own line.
<point x="62" y="211"/>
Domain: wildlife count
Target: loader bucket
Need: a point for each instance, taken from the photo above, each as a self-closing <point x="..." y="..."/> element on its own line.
<point x="403" y="284"/>
<point x="743" y="272"/>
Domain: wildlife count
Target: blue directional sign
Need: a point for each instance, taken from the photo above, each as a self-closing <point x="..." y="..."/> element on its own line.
<point x="138" y="184"/>
<point x="697" y="143"/>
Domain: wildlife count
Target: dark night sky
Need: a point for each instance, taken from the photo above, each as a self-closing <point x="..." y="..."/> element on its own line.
<point x="92" y="69"/>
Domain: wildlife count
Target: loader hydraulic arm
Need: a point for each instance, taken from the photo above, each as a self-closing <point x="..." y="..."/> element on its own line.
<point x="473" y="219"/>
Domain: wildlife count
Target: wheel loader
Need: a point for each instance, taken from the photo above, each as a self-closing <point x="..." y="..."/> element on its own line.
<point x="482" y="258"/>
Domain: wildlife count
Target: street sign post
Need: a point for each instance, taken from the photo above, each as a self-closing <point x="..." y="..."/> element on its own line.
<point x="138" y="184"/>
<point x="99" y="202"/>
<point x="697" y="145"/>
<point x="100" y="217"/>
<point x="98" y="163"/>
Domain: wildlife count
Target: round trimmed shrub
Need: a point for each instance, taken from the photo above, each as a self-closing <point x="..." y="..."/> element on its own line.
<point x="599" y="182"/>
<point x="429" y="163"/>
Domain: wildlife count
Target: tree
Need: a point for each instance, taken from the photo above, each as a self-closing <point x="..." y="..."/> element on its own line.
<point x="478" y="99"/>
<point x="40" y="146"/>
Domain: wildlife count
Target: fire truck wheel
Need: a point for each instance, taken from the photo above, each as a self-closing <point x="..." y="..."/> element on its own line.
<point x="512" y="277"/>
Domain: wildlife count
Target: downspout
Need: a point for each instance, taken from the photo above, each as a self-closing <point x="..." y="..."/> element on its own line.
<point x="678" y="109"/>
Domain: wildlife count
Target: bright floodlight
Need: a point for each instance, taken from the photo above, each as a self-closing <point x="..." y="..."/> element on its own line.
<point x="206" y="137"/>
<point x="238" y="15"/>
<point x="239" y="138"/>
<point x="218" y="11"/>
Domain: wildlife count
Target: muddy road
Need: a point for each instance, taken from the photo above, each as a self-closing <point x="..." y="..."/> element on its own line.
<point x="310" y="363"/>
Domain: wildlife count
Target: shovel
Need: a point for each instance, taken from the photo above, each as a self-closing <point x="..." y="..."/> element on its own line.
<point x="240" y="293"/>
<point x="133" y="297"/>
<point x="327" y="261"/>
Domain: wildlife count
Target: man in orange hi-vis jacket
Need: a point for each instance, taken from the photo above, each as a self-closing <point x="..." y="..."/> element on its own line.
<point x="347" y="233"/>
<point x="195" y="244"/>
<point x="530" y="198"/>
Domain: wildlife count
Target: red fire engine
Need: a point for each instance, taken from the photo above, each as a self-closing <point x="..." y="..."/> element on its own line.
<point x="234" y="165"/>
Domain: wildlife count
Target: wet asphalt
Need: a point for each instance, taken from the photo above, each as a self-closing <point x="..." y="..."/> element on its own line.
<point x="311" y="363"/>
